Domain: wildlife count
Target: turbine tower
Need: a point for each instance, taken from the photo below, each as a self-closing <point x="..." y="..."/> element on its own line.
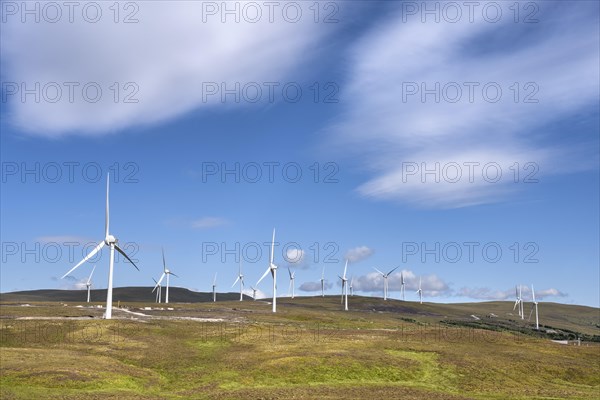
<point x="402" y="285"/>
<point x="420" y="292"/>
<point x="88" y="284"/>
<point x="345" y="287"/>
<point x="110" y="241"/>
<point x="323" y="282"/>
<point x="273" y="269"/>
<point x="385" y="281"/>
<point x="535" y="305"/>
<point x="292" y="282"/>
<point x="158" y="289"/>
<point x="167" y="273"/>
<point x="240" y="278"/>
<point x="214" y="287"/>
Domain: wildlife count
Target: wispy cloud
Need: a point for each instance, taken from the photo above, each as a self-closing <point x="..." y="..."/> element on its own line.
<point x="358" y="254"/>
<point x="314" y="286"/>
<point x="208" y="223"/>
<point x="431" y="284"/>
<point x="394" y="131"/>
<point x="484" y="293"/>
<point x="189" y="49"/>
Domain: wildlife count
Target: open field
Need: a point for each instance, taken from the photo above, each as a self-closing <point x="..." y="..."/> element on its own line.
<point x="308" y="349"/>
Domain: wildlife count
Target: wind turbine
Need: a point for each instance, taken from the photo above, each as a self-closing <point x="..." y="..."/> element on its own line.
<point x="402" y="285"/>
<point x="351" y="288"/>
<point x="214" y="286"/>
<point x="253" y="293"/>
<point x="420" y="292"/>
<point x="345" y="287"/>
<point x="323" y="282"/>
<point x="518" y="300"/>
<point x="167" y="273"/>
<point x="385" y="281"/>
<point x="89" y="284"/>
<point x="158" y="289"/>
<point x="273" y="269"/>
<point x="292" y="280"/>
<point x="240" y="278"/>
<point x="110" y="241"/>
<point x="535" y="306"/>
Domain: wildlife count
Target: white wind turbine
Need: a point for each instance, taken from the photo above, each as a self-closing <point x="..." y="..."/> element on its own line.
<point x="351" y="287"/>
<point x="158" y="289"/>
<point x="88" y="284"/>
<point x="166" y="272"/>
<point x="292" y="282"/>
<point x="323" y="282"/>
<point x="110" y="241"/>
<point x="420" y="292"/>
<point x="385" y="281"/>
<point x="518" y="300"/>
<point x="535" y="306"/>
<point x="345" y="287"/>
<point x="273" y="269"/>
<point x="214" y="287"/>
<point x="240" y="278"/>
<point x="253" y="292"/>
<point x="402" y="285"/>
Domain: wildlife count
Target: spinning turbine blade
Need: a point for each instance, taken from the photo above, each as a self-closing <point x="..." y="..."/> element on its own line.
<point x="392" y="270"/>
<point x="265" y="274"/>
<point x="126" y="256"/>
<point x="236" y="281"/>
<point x="379" y="271"/>
<point x="273" y="246"/>
<point x="92" y="254"/>
<point x="106" y="215"/>
<point x="90" y="278"/>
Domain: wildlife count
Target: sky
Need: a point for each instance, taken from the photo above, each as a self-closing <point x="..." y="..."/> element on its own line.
<point x="458" y="142"/>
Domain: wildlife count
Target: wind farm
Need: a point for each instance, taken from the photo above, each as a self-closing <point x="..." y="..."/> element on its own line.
<point x="300" y="200"/>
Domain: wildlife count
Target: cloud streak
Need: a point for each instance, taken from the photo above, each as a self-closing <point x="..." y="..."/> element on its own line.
<point x="543" y="77"/>
<point x="162" y="65"/>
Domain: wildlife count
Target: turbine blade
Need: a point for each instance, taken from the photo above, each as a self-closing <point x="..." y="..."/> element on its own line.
<point x="171" y="273"/>
<point x="107" y="214"/>
<point x="265" y="274"/>
<point x="159" y="281"/>
<point x="378" y="271"/>
<point x="290" y="272"/>
<point x="273" y="246"/>
<point x="532" y="293"/>
<point x="126" y="256"/>
<point x="393" y="270"/>
<point x="236" y="281"/>
<point x="164" y="263"/>
<point x="90" y="278"/>
<point x="90" y="255"/>
<point x="215" y="279"/>
<point x="345" y="268"/>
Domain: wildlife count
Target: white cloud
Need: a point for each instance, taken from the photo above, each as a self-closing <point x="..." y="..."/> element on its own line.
<point x="483" y="293"/>
<point x="294" y="255"/>
<point x="431" y="284"/>
<point x="169" y="56"/>
<point x="358" y="254"/>
<point x="208" y="223"/>
<point x="560" y="57"/>
<point x="314" y="286"/>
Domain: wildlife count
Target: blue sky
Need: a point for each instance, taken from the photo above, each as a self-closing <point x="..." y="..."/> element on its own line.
<point x="398" y="92"/>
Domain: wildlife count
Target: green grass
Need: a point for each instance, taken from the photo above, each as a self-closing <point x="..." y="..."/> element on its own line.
<point x="309" y="349"/>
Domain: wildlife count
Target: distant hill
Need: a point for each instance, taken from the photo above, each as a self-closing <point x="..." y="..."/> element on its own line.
<point x="141" y="294"/>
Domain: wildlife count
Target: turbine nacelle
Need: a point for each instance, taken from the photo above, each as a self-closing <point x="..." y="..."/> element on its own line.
<point x="110" y="239"/>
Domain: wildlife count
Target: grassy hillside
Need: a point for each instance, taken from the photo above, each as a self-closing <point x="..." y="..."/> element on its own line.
<point x="308" y="349"/>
